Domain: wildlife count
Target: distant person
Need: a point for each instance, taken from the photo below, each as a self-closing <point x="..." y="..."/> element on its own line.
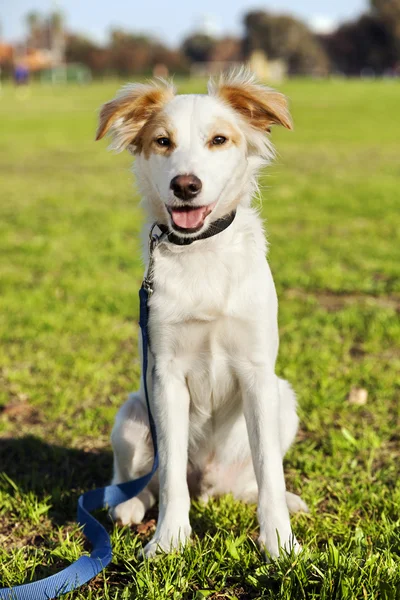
<point x="21" y="75"/>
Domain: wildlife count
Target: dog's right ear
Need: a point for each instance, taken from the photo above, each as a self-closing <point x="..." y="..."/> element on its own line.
<point x="259" y="105"/>
<point x="124" y="117"/>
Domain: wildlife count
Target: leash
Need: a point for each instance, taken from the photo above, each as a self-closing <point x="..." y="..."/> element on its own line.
<point x="87" y="567"/>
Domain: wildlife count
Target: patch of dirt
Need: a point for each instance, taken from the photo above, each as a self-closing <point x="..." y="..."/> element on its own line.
<point x="148" y="526"/>
<point x="145" y="528"/>
<point x="333" y="301"/>
<point x="19" y="411"/>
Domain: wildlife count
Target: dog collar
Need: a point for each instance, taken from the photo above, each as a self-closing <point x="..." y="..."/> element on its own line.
<point x="215" y="227"/>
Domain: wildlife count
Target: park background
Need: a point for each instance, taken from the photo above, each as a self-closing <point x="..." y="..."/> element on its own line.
<point x="70" y="270"/>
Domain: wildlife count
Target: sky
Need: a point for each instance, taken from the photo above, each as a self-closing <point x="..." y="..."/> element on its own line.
<point x="169" y="20"/>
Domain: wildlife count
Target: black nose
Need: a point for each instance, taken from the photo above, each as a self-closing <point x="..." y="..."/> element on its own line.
<point x="185" y="187"/>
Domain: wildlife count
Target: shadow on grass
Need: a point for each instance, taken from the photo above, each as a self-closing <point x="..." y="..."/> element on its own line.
<point x="62" y="474"/>
<point x="55" y="471"/>
<point x="59" y="473"/>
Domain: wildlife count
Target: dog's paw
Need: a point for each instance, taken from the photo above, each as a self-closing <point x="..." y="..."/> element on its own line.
<point x="204" y="498"/>
<point x="273" y="547"/>
<point x="167" y="539"/>
<point x="130" y="512"/>
<point x="295" y="503"/>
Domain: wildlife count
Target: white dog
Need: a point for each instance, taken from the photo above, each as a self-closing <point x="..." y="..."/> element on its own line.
<point x="224" y="420"/>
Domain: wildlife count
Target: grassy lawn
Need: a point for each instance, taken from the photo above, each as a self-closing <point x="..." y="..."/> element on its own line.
<point x="70" y="269"/>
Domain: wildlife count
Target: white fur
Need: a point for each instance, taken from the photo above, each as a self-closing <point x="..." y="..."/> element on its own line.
<point x="224" y="420"/>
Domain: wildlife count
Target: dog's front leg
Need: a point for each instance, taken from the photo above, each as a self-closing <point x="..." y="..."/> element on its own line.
<point x="171" y="415"/>
<point x="261" y="408"/>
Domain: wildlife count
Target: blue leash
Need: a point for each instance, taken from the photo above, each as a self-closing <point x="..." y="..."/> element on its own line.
<point x="87" y="567"/>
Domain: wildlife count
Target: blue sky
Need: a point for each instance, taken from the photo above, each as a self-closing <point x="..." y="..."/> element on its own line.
<point x="169" y="20"/>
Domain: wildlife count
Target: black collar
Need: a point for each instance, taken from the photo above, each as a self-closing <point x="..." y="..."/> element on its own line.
<point x="216" y="227"/>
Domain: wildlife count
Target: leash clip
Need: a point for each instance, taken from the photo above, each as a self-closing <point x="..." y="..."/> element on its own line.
<point x="154" y="240"/>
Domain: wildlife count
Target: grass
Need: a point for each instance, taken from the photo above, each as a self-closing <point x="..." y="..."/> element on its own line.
<point x="69" y="274"/>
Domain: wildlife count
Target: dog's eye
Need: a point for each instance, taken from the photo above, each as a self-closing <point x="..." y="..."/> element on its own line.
<point x="163" y="141"/>
<point x="218" y="140"/>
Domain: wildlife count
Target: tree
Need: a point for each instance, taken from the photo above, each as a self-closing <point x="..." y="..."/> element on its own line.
<point x="284" y="37"/>
<point x="56" y="21"/>
<point x="80" y="49"/>
<point x="139" y="54"/>
<point x="228" y="49"/>
<point x="57" y="36"/>
<point x="198" y="47"/>
<point x="173" y="60"/>
<point x="364" y="44"/>
<point x="35" y="25"/>
<point x="130" y="53"/>
<point x="388" y="11"/>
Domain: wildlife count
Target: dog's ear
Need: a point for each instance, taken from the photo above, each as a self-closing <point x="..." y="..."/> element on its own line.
<point x="124" y="117"/>
<point x="259" y="105"/>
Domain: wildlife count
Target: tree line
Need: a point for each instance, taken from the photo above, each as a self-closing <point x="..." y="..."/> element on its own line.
<point x="368" y="44"/>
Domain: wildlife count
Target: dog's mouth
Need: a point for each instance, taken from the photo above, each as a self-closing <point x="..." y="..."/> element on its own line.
<point x="189" y="219"/>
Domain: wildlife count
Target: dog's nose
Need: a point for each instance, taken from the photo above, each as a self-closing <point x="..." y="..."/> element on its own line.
<point x="185" y="187"/>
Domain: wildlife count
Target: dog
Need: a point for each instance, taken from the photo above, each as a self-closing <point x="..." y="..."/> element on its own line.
<point x="224" y="420"/>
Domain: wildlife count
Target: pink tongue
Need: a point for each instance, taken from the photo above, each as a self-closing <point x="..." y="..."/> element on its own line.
<point x="189" y="219"/>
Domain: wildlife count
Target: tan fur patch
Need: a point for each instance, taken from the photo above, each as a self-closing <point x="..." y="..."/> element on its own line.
<point x="227" y="130"/>
<point x="260" y="106"/>
<point x="133" y="107"/>
<point x="157" y="126"/>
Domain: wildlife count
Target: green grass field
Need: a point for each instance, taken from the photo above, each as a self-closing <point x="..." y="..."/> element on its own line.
<point x="70" y="270"/>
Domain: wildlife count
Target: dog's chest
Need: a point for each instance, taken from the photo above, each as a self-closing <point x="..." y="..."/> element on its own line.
<point x="208" y="316"/>
<point x="195" y="315"/>
<point x="209" y="305"/>
<point x="192" y="287"/>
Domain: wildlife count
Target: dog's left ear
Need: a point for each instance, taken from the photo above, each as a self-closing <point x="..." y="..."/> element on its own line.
<point x="126" y="115"/>
<point x="259" y="105"/>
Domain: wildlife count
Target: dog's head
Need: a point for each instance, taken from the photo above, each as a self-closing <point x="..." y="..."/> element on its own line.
<point x="196" y="155"/>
